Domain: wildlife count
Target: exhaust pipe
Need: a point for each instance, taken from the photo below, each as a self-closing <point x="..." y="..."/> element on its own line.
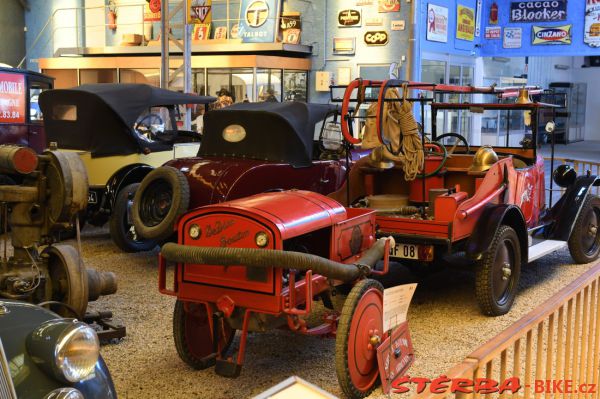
<point x="266" y="258"/>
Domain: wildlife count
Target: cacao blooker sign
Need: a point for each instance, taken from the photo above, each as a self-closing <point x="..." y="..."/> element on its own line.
<point x="538" y="11"/>
<point x="12" y="98"/>
<point x="591" y="35"/>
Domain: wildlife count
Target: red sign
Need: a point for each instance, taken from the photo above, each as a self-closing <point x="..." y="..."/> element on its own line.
<point x="394" y="356"/>
<point x="12" y="98"/>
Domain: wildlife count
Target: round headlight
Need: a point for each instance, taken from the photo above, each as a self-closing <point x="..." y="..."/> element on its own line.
<point x="261" y="239"/>
<point x="65" y="393"/>
<point x="77" y="352"/>
<point x="195" y="231"/>
<point x="66" y="349"/>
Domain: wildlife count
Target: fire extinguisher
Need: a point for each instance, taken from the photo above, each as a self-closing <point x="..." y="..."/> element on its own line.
<point x="494" y="14"/>
<point x="112" y="15"/>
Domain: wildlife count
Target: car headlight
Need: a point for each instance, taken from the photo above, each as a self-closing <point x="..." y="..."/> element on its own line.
<point x="65" y="393"/>
<point x="67" y="349"/>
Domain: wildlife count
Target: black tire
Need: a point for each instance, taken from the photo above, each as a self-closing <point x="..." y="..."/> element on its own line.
<point x="584" y="242"/>
<point x="494" y="289"/>
<point x="349" y="372"/>
<point x="193" y="337"/>
<point x="162" y="197"/>
<point x="122" y="232"/>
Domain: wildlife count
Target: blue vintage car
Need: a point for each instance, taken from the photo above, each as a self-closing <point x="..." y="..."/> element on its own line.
<point x="45" y="356"/>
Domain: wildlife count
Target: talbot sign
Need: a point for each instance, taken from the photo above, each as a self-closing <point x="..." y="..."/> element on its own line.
<point x="538" y="11"/>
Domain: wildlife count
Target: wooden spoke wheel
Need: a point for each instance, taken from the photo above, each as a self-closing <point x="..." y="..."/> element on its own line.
<point x="359" y="329"/>
<point x="192" y="332"/>
<point x="584" y="243"/>
<point x="497" y="273"/>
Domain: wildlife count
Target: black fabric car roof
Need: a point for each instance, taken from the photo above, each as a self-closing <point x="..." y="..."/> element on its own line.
<point x="277" y="132"/>
<point x="105" y="115"/>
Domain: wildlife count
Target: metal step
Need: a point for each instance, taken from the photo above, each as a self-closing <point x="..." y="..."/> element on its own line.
<point x="543" y="248"/>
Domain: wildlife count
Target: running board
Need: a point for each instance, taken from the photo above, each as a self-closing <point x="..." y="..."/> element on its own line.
<point x="544" y="248"/>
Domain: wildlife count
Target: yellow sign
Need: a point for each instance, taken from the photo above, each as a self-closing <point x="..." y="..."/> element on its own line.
<point x="465" y="23"/>
<point x="199" y="11"/>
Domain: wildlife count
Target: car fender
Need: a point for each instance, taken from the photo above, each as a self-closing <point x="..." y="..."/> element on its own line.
<point x="568" y="207"/>
<point x="492" y="217"/>
<point x="130" y="174"/>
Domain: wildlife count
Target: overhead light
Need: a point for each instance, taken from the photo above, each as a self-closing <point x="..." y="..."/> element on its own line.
<point x="501" y="59"/>
<point x="561" y="66"/>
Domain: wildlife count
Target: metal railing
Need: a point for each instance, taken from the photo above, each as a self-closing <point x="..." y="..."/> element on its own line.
<point x="581" y="167"/>
<point x="558" y="340"/>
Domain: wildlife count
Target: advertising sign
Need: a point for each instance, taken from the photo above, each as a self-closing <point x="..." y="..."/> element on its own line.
<point x="538" y="11"/>
<point x="12" y="98"/>
<point x="591" y="35"/>
<point x="389" y="5"/>
<point x="551" y="34"/>
<point x="291" y="28"/>
<point x="199" y="11"/>
<point x="398" y="25"/>
<point x="258" y="20"/>
<point x="201" y="32"/>
<point x="437" y="23"/>
<point x="512" y="38"/>
<point x="465" y="23"/>
<point x="344" y="45"/>
<point x="493" y="32"/>
<point x="152" y="11"/>
<point x="349" y="18"/>
<point x="376" y="38"/>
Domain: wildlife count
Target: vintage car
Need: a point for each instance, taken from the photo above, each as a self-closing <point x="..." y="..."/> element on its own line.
<point x="247" y="148"/>
<point x="485" y="203"/>
<point x="21" y="120"/>
<point x="45" y="356"/>
<point x="122" y="132"/>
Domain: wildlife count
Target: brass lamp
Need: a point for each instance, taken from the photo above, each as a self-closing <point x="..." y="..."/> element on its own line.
<point x="525" y="99"/>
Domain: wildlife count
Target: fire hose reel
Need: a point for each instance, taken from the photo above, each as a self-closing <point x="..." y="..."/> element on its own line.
<point x="53" y="190"/>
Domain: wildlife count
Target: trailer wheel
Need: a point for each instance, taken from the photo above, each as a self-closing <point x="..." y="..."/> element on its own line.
<point x="68" y="279"/>
<point x="497" y="273"/>
<point x="122" y="231"/>
<point x="584" y="243"/>
<point x="163" y="196"/>
<point x="193" y="335"/>
<point x="355" y="356"/>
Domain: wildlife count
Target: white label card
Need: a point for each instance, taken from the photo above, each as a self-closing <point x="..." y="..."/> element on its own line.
<point x="396" y="301"/>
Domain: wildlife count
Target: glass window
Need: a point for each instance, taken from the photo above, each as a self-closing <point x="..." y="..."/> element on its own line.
<point x="236" y="83"/>
<point x="148" y="76"/>
<point x="97" y="76"/>
<point x="295" y="86"/>
<point x="198" y="84"/>
<point x="433" y="72"/>
<point x="269" y="85"/>
<point x="35" y="113"/>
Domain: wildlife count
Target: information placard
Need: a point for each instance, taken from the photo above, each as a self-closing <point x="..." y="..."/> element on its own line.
<point x="12" y="98"/>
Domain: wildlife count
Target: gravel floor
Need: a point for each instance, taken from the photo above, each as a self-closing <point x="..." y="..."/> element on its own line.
<point x="445" y="324"/>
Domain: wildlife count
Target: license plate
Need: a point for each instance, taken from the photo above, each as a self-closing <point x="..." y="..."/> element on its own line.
<point x="92" y="197"/>
<point x="405" y="251"/>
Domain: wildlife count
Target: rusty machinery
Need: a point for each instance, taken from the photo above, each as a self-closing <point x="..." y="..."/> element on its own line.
<point x="53" y="191"/>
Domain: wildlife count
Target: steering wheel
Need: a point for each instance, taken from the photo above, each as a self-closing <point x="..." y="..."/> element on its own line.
<point x="145" y="125"/>
<point x="438" y="149"/>
<point x="458" y="138"/>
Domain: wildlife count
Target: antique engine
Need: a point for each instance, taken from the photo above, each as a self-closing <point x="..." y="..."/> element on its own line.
<point x="53" y="189"/>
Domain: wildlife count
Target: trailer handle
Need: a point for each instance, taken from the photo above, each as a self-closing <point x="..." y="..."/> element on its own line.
<point x="162" y="278"/>
<point x="291" y="297"/>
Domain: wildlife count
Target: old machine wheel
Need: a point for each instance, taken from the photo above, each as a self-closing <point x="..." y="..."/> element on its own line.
<point x="68" y="281"/>
<point x="193" y="335"/>
<point x="122" y="230"/>
<point x="161" y="198"/>
<point x="584" y="243"/>
<point x="497" y="273"/>
<point x="359" y="331"/>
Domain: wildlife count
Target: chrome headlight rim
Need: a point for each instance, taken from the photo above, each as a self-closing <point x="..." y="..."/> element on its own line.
<point x="65" y="393"/>
<point x="67" y="339"/>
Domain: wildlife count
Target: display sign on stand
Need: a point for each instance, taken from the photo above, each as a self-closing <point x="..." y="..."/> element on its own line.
<point x="437" y="23"/>
<point x="152" y="11"/>
<point x="591" y="35"/>
<point x="12" y="98"/>
<point x="259" y="20"/>
<point x="199" y="11"/>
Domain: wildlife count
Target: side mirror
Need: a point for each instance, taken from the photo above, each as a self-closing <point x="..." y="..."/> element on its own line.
<point x="550" y="126"/>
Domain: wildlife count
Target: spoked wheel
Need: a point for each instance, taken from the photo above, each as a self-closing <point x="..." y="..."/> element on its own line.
<point x="122" y="230"/>
<point x="584" y="243"/>
<point x="162" y="197"/>
<point x="497" y="273"/>
<point x="68" y="280"/>
<point x="355" y="353"/>
<point x="193" y="335"/>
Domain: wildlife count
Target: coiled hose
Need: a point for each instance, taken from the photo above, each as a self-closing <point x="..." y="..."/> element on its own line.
<point x="265" y="258"/>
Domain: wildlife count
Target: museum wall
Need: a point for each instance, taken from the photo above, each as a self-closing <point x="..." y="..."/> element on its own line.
<point x="575" y="17"/>
<point x="12" y="20"/>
